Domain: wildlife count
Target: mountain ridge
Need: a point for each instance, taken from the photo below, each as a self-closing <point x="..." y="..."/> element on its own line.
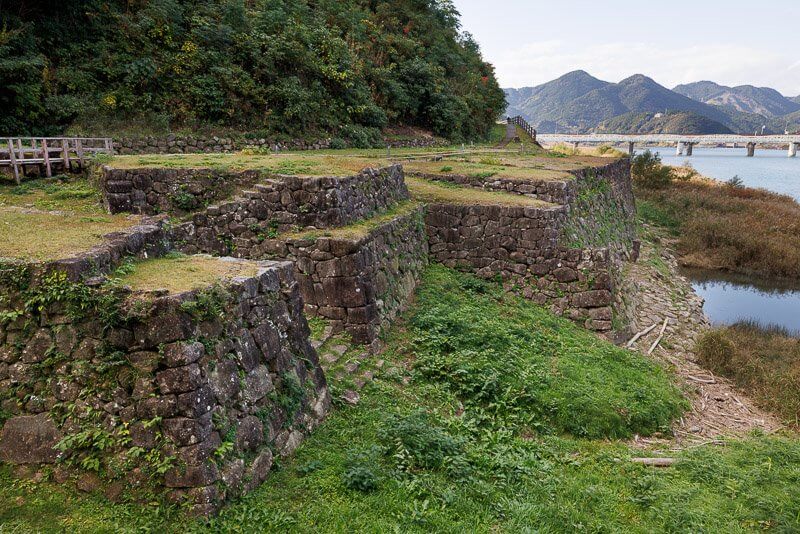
<point x="578" y="102"/>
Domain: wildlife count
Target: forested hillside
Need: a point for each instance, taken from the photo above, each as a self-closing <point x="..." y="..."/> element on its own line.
<point x="297" y="67"/>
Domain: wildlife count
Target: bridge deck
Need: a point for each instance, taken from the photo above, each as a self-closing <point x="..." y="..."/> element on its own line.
<point x="670" y="138"/>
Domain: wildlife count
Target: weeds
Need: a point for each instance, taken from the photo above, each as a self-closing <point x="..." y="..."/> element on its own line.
<point x="762" y="360"/>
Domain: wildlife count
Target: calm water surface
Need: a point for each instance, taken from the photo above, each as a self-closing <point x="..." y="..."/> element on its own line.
<point x="769" y="169"/>
<point x="732" y="298"/>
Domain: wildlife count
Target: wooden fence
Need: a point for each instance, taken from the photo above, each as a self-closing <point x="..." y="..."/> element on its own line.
<point x="66" y="153"/>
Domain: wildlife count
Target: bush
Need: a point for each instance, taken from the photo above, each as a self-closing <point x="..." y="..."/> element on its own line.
<point x="648" y="172"/>
<point x="337" y="143"/>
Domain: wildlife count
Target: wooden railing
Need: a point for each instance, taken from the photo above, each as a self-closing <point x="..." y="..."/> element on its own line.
<point x="20" y="153"/>
<point x="522" y="123"/>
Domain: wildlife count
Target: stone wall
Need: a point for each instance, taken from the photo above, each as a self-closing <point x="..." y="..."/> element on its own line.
<point x="617" y="173"/>
<point x="152" y="190"/>
<point x="522" y="245"/>
<point x="186" y="394"/>
<point x="286" y="203"/>
<point x="181" y="144"/>
<point x="286" y="200"/>
<point x="358" y="284"/>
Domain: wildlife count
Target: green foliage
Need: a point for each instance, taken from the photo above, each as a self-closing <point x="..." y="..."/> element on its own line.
<point x="735" y="182"/>
<point x="361" y="471"/>
<point x="506" y="481"/>
<point x="516" y="366"/>
<point x="208" y="303"/>
<point x="415" y="442"/>
<point x="648" y="172"/>
<point x="348" y="67"/>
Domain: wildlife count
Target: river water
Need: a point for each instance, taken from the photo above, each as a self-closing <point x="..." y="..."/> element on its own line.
<point x="733" y="298"/>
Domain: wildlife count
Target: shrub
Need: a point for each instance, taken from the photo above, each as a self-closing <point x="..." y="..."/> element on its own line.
<point x="337" y="143"/>
<point x="563" y="149"/>
<point x="648" y="172"/>
<point x="735" y="182"/>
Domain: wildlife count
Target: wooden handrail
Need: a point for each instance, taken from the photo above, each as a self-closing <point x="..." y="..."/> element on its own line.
<point x="21" y="152"/>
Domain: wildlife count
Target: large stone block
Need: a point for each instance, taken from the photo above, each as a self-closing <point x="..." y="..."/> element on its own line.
<point x="29" y="439"/>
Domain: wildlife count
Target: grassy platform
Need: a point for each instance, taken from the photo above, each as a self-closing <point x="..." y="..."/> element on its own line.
<point x="177" y="273"/>
<point x="53" y="218"/>
<point x="478" y="162"/>
<point x="433" y="191"/>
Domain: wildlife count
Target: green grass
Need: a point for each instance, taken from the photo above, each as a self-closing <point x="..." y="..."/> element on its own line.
<point x="435" y="456"/>
<point x="177" y="273"/>
<point x="450" y="193"/>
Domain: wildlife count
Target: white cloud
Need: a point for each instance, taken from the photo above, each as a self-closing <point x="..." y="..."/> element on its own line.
<point x="728" y="64"/>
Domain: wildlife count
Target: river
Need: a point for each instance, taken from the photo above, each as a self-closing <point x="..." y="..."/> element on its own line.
<point x="732" y="298"/>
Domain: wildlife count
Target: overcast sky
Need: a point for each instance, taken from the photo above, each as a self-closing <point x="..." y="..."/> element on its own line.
<point x="731" y="42"/>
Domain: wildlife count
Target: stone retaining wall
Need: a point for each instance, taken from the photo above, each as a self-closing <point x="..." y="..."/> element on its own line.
<point x="359" y="284"/>
<point x="191" y="394"/>
<point x="153" y="190"/>
<point x="286" y="203"/>
<point x="522" y="246"/>
<point x="286" y="200"/>
<point x="179" y="144"/>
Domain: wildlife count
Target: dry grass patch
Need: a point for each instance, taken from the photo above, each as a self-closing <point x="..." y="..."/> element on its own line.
<point x="361" y="228"/>
<point x="764" y="361"/>
<point x="744" y="230"/>
<point x="431" y="191"/>
<point x="37" y="235"/>
<point x="292" y="164"/>
<point x="184" y="273"/>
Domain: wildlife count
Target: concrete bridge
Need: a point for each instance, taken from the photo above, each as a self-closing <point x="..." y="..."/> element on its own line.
<point x="684" y="143"/>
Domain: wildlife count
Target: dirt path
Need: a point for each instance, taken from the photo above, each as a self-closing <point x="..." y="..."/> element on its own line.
<point x="659" y="292"/>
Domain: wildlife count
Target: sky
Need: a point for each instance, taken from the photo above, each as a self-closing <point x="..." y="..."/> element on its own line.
<point x="730" y="42"/>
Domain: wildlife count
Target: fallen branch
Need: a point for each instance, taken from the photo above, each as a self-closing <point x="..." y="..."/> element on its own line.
<point x="701" y="380"/>
<point x="644" y="332"/>
<point x="660" y="336"/>
<point x="655" y="462"/>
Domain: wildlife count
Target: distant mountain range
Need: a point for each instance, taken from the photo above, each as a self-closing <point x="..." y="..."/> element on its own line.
<point x="579" y="102"/>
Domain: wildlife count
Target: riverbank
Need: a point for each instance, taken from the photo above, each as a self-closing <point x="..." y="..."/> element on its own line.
<point x="723" y="227"/>
<point x="660" y="301"/>
<point x="718" y="226"/>
<point x="763" y="360"/>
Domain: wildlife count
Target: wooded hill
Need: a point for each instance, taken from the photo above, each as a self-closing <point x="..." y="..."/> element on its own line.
<point x="297" y="67"/>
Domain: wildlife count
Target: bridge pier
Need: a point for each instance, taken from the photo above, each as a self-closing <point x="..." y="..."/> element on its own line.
<point x="751" y="150"/>
<point x="689" y="147"/>
<point x="681" y="147"/>
<point x="793" y="149"/>
<point x="630" y="148"/>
